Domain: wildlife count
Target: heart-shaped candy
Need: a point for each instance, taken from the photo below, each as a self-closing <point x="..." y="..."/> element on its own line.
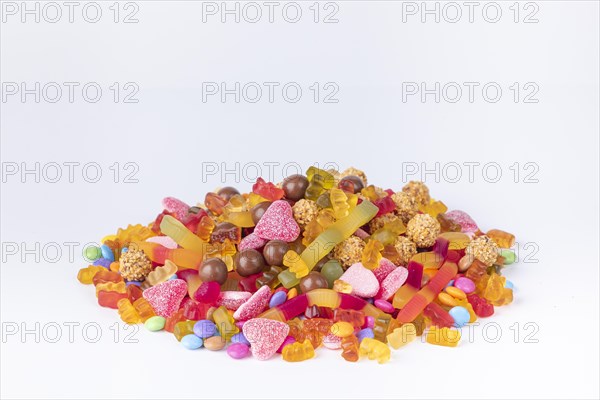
<point x="265" y="336"/>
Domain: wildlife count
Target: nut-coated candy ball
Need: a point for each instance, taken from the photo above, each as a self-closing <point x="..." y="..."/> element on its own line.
<point x="274" y="251"/>
<point x="258" y="210"/>
<point x="227" y="192"/>
<point x="313" y="280"/>
<point x="249" y="262"/>
<point x="294" y="187"/>
<point x="213" y="269"/>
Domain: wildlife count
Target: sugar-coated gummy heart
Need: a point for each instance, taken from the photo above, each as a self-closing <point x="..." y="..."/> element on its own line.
<point x="384" y="269"/>
<point x="363" y="281"/>
<point x="465" y="221"/>
<point x="254" y="305"/>
<point x="173" y="205"/>
<point x="166" y="297"/>
<point x="277" y="223"/>
<point x="392" y="283"/>
<point x="232" y="300"/>
<point x="252" y="241"/>
<point x="265" y="336"/>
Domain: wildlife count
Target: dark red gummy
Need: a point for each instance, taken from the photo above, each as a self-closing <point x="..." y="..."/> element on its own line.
<point x="481" y="306"/>
<point x="438" y="316"/>
<point x="267" y="190"/>
<point x="385" y="205"/>
<point x="415" y="274"/>
<point x="208" y="292"/>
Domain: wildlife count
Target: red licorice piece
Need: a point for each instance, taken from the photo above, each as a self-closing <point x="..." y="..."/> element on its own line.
<point x="350" y="302"/>
<point x="110" y="299"/>
<point x="208" y="292"/>
<point x="134" y="292"/>
<point x="294" y="307"/>
<point x="480" y="305"/>
<point x="441" y="247"/>
<point x="267" y="190"/>
<point x="248" y="284"/>
<point x="385" y="205"/>
<point x="415" y="274"/>
<point x="438" y="315"/>
<point x="214" y="203"/>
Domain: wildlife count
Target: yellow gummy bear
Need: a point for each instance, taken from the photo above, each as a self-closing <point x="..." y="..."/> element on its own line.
<point x="295" y="263"/>
<point x="342" y="287"/>
<point x="339" y="203"/>
<point x="298" y="351"/>
<point x="119" y="287"/>
<point x="402" y="336"/>
<point x="127" y="312"/>
<point x="443" y="336"/>
<point x="374" y="350"/>
<point x="389" y="232"/>
<point x="160" y="274"/>
<point x="371" y="254"/>
<point x="86" y="275"/>
<point x="495" y="287"/>
<point x="434" y="208"/>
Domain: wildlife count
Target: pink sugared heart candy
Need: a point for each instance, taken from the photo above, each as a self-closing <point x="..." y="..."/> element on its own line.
<point x="165" y="298"/>
<point x="277" y="223"/>
<point x="265" y="336"/>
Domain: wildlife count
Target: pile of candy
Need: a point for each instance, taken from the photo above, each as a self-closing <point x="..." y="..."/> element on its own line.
<point x="318" y="260"/>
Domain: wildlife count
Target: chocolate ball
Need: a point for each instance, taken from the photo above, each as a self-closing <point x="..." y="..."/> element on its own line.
<point x="274" y="251"/>
<point x="248" y="262"/>
<point x="213" y="269"/>
<point x="258" y="210"/>
<point x="227" y="192"/>
<point x="295" y="186"/>
<point x="313" y="280"/>
<point x="352" y="181"/>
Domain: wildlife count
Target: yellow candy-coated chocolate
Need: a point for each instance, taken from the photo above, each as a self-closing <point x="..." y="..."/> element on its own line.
<point x="455" y="292"/>
<point x="342" y="329"/>
<point x="447" y="300"/>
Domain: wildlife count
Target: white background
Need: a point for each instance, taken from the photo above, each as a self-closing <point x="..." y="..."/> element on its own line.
<point x="172" y="136"/>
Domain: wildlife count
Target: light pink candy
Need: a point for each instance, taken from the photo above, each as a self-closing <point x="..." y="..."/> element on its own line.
<point x="465" y="221"/>
<point x="173" y="205"/>
<point x="254" y="305"/>
<point x="164" y="241"/>
<point x="363" y="281"/>
<point x="265" y="336"/>
<point x="392" y="283"/>
<point x="332" y="342"/>
<point x="384" y="269"/>
<point x="384" y="306"/>
<point x="252" y="241"/>
<point x="232" y="300"/>
<point x="277" y="223"/>
<point x="166" y="297"/>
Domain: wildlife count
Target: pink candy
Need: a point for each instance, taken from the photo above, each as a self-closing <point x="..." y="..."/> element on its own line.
<point x="173" y="205"/>
<point x="384" y="268"/>
<point x="384" y="306"/>
<point x="363" y="281"/>
<point x="252" y="241"/>
<point x="232" y="300"/>
<point x="465" y="284"/>
<point x="254" y="305"/>
<point x="165" y="298"/>
<point x="265" y="336"/>
<point x="164" y="241"/>
<point x="238" y="351"/>
<point x="277" y="223"/>
<point x="392" y="283"/>
<point x="465" y="221"/>
<point x="288" y="340"/>
<point x="332" y="342"/>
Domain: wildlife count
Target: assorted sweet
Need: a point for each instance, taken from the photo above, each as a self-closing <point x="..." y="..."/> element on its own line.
<point x="319" y="262"/>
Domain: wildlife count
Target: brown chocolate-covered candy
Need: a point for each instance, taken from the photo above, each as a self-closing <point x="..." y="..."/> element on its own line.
<point x="294" y="187"/>
<point x="248" y="262"/>
<point x="314" y="280"/>
<point x="351" y="183"/>
<point x="258" y="210"/>
<point x="226" y="230"/>
<point x="213" y="269"/>
<point x="274" y="251"/>
<point x="227" y="192"/>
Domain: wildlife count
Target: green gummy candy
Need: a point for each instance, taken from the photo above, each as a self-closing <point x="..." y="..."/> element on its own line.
<point x="509" y="256"/>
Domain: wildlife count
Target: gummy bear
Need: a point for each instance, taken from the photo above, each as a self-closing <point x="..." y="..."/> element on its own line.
<point x="434" y="208"/>
<point x="438" y="316"/>
<point x="267" y="190"/>
<point x="339" y="203"/>
<point x="298" y="351"/>
<point x="316" y="329"/>
<point x="385" y="205"/>
<point x="144" y="309"/>
<point x="371" y="254"/>
<point x="214" y="203"/>
<point x="380" y="329"/>
<point x="480" y="305"/>
<point x="106" y="276"/>
<point x="86" y="275"/>
<point x="183" y="328"/>
<point x="389" y="232"/>
<point x="160" y="274"/>
<point x="501" y="238"/>
<point x="402" y="336"/>
<point x="225" y="323"/>
<point x="118" y="287"/>
<point x="171" y="321"/>
<point x="375" y="350"/>
<point x="494" y="288"/>
<point x="354" y="317"/>
<point x="110" y="299"/>
<point x="443" y="336"/>
<point x="127" y="312"/>
<point x="350" y="348"/>
<point x="205" y="228"/>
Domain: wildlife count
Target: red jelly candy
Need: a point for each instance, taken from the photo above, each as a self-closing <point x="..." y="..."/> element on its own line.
<point x="134" y="292"/>
<point x="248" y="284"/>
<point x="389" y="192"/>
<point x="481" y="306"/>
<point x="208" y="292"/>
<point x="106" y="276"/>
<point x="176" y="317"/>
<point x="438" y="316"/>
<point x="110" y="299"/>
<point x="385" y="205"/>
<point x="440" y="247"/>
<point x="194" y="310"/>
<point x="267" y="190"/>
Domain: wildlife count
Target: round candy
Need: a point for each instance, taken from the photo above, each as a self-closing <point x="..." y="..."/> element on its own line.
<point x="352" y="182"/>
<point x="314" y="280"/>
<point x="205" y="328"/>
<point x="93" y="253"/>
<point x="509" y="256"/>
<point x="274" y="251"/>
<point x="214" y="343"/>
<point x="332" y="270"/>
<point x="465" y="284"/>
<point x="249" y="262"/>
<point x="238" y="350"/>
<point x="156" y="323"/>
<point x="240" y="338"/>
<point x="277" y="299"/>
<point x="258" y="211"/>
<point x="384" y="306"/>
<point x="107" y="253"/>
<point x="365" y="333"/>
<point x="191" y="342"/>
<point x="455" y="292"/>
<point x="342" y="329"/>
<point x="509" y="285"/>
<point x="460" y="315"/>
<point x="369" y="322"/>
<point x="227" y="192"/>
<point x="213" y="269"/>
<point x="294" y="187"/>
